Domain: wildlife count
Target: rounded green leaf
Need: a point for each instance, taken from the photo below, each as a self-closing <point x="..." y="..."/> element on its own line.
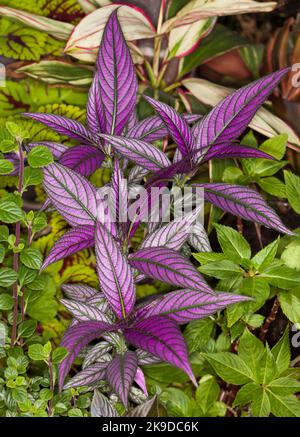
<point x="39" y="156"/>
<point x="31" y="258"/>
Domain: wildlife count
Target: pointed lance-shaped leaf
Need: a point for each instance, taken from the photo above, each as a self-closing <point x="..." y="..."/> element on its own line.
<point x="88" y="376"/>
<point x="234" y="151"/>
<point x="183" y="306"/>
<point x="64" y="126"/>
<point x="176" y="124"/>
<point x="95" y="111"/>
<point x="138" y="151"/>
<point x="101" y="407"/>
<point x="227" y="121"/>
<point x="140" y="380"/>
<point x="79" y="238"/>
<point x="79" y="292"/>
<point x="118" y="194"/>
<point x="120" y="374"/>
<point x="114" y="273"/>
<point x="117" y="78"/>
<point x="72" y="195"/>
<point x="198" y="239"/>
<point x="97" y="353"/>
<point x="142" y="410"/>
<point x="245" y="203"/>
<point x="84" y="159"/>
<point x="168" y="266"/>
<point x="75" y="338"/>
<point x="145" y="357"/>
<point x="161" y="337"/>
<point x="83" y="312"/>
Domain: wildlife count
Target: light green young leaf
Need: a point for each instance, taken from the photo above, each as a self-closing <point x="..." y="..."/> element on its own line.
<point x="6" y="166"/>
<point x="7" y="277"/>
<point x="176" y="402"/>
<point x="222" y="269"/>
<point x="293" y="190"/>
<point x="10" y="212"/>
<point x="250" y="350"/>
<point x="284" y="406"/>
<point x="39" y="156"/>
<point x="281" y="352"/>
<point x="281" y="276"/>
<point x="273" y="186"/>
<point x="275" y="146"/>
<point x="233" y="244"/>
<point x="290" y="304"/>
<point x="284" y="386"/>
<point x="230" y="367"/>
<point x="266" y="367"/>
<point x="264" y="257"/>
<point x="246" y="394"/>
<point x="31" y="258"/>
<point x="207" y="392"/>
<point x="6" y="302"/>
<point x="208" y="257"/>
<point x="261" y="404"/>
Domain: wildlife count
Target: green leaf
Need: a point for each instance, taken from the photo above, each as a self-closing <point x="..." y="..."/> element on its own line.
<point x="284" y="386"/>
<point x="275" y="146"/>
<point x="284" y="406"/>
<point x="31" y="258"/>
<point x="2" y="253"/>
<point x="198" y="333"/>
<point x="291" y="255"/>
<point x="6" y="166"/>
<point x="273" y="186"/>
<point x="264" y="257"/>
<point x="246" y="394"/>
<point x="32" y="176"/>
<point x="75" y="412"/>
<point x="250" y="350"/>
<point x="39" y="156"/>
<point x="6" y="302"/>
<point x="176" y="402"/>
<point x="4" y="233"/>
<point x="59" y="354"/>
<point x="207" y="392"/>
<point x="46" y="394"/>
<point x="281" y="352"/>
<point x="27" y="329"/>
<point x="252" y="55"/>
<point x="230" y="367"/>
<point x="261" y="404"/>
<point x="36" y="352"/>
<point x="19" y="394"/>
<point x="266" y="366"/>
<point x="233" y="243"/>
<point x="281" y="276"/>
<point x="293" y="190"/>
<point x="7" y="276"/>
<point x="10" y="212"/>
<point x="17" y="131"/>
<point x="290" y="304"/>
<point x="207" y="257"/>
<point x="222" y="269"/>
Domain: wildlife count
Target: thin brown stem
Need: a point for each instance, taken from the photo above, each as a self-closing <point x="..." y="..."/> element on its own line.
<point x="269" y="320"/>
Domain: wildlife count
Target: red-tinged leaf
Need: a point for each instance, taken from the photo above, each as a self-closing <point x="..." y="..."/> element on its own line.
<point x="114" y="273"/>
<point x="83" y="159"/>
<point x="117" y="78"/>
<point x="183" y="306"/>
<point x="75" y="338"/>
<point x="140" y="152"/>
<point x="245" y="203"/>
<point x="161" y="337"/>
<point x="120" y="374"/>
<point x="88" y="376"/>
<point x="84" y="312"/>
<point x="79" y="238"/>
<point x="176" y="124"/>
<point x="64" y="126"/>
<point x="72" y="195"/>
<point x="79" y="292"/>
<point x="169" y="266"/>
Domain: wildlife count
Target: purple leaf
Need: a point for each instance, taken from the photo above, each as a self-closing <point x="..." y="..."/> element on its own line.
<point x="56" y="149"/>
<point x="136" y="174"/>
<point x="88" y="376"/>
<point x="142" y="410"/>
<point x="234" y="151"/>
<point x="75" y="338"/>
<point x="161" y="337"/>
<point x="169" y="266"/>
<point x="114" y="273"/>
<point x="83" y="312"/>
<point x="83" y="159"/>
<point x="140" y="380"/>
<point x="176" y="124"/>
<point x="117" y="77"/>
<point x="72" y="195"/>
<point x="64" y="126"/>
<point x="79" y="238"/>
<point x="79" y="292"/>
<point x="132" y="121"/>
<point x="96" y="354"/>
<point x="140" y="152"/>
<point x="118" y="194"/>
<point x="243" y="202"/>
<point x="101" y="407"/>
<point x="198" y="239"/>
<point x="183" y="306"/>
<point x="192" y="118"/>
<point x="120" y="374"/>
<point x="95" y="111"/>
<point x="145" y="358"/>
<point x="231" y="116"/>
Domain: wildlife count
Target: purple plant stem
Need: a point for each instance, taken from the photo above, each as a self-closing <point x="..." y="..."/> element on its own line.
<point x="16" y="255"/>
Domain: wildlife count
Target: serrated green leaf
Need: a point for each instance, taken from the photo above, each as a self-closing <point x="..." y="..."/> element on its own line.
<point x="10" y="212"/>
<point x="284" y="386"/>
<point x="207" y="257"/>
<point x="266" y="367"/>
<point x="39" y="156"/>
<point x="233" y="244"/>
<point x="293" y="190"/>
<point x="222" y="269"/>
<point x="281" y="352"/>
<point x="7" y="277"/>
<point x="31" y="258"/>
<point x="273" y="186"/>
<point x="281" y="276"/>
<point x="32" y="176"/>
<point x="230" y="367"/>
<point x="284" y="406"/>
<point x="207" y="392"/>
<point x="290" y="304"/>
<point x="246" y="394"/>
<point x="176" y="402"/>
<point x="198" y="333"/>
<point x="265" y="256"/>
<point x="261" y="404"/>
<point x="6" y="166"/>
<point x="250" y="350"/>
<point x="6" y="301"/>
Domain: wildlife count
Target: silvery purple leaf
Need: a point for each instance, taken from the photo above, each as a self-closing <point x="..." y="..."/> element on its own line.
<point x="56" y="149"/>
<point x="83" y="159"/>
<point x="79" y="238"/>
<point x="227" y="120"/>
<point x="73" y="196"/>
<point x="161" y="337"/>
<point x="169" y="266"/>
<point x="198" y="239"/>
<point x="117" y="77"/>
<point x="79" y="292"/>
<point x="136" y="174"/>
<point x="118" y="194"/>
<point x="83" y="312"/>
<point x="99" y="301"/>
<point x="176" y="124"/>
<point x="140" y="152"/>
<point x="95" y="111"/>
<point x="145" y="357"/>
<point x="114" y="273"/>
<point x="183" y="306"/>
<point x="75" y="338"/>
<point x="140" y="380"/>
<point x="64" y="126"/>
<point x="120" y="374"/>
<point x="142" y="410"/>
<point x="234" y="151"/>
<point x="243" y="202"/>
<point x="192" y="118"/>
<point x="132" y="121"/>
<point x="101" y="407"/>
<point x="96" y="353"/>
<point x="88" y="376"/>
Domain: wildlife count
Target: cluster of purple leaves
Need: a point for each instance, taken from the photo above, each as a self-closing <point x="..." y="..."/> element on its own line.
<point x="113" y="133"/>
